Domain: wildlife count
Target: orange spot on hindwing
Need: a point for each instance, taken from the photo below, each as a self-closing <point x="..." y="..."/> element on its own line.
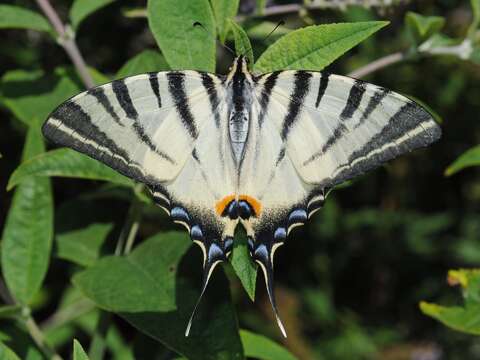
<point x="225" y="205"/>
<point x="254" y="203"/>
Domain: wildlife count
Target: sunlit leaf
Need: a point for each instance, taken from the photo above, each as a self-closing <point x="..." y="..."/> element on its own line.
<point x="464" y="318"/>
<point x="223" y="11"/>
<point x="78" y="352"/>
<point x="146" y="61"/>
<point x="314" y="47"/>
<point x="245" y="269"/>
<point x="184" y="45"/>
<point x="242" y="43"/>
<point x="16" y="17"/>
<point x="260" y="347"/>
<point x="81" y="9"/>
<point x="82" y="246"/>
<point x="66" y="163"/>
<point x="469" y="158"/>
<point x="28" y="232"/>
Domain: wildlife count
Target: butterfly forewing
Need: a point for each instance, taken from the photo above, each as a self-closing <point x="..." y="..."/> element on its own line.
<point x="342" y="127"/>
<point x="141" y="126"/>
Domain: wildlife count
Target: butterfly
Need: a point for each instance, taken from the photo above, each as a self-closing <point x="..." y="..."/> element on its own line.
<point x="216" y="151"/>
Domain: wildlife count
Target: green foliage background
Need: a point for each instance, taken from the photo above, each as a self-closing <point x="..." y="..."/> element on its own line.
<point x="86" y="255"/>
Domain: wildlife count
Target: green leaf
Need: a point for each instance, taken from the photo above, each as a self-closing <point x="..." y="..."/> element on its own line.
<point x="28" y="232"/>
<point x="148" y="273"/>
<point x="78" y="352"/>
<point x="264" y="28"/>
<point x="314" y="47"/>
<point x="243" y="265"/>
<point x="214" y="330"/>
<point x="476" y="17"/>
<point x="32" y="95"/>
<point x="81" y="9"/>
<point x="458" y="318"/>
<point x="467" y="318"/>
<point x="145" y="289"/>
<point x="66" y="163"/>
<point x="146" y="61"/>
<point x="422" y="27"/>
<point x="16" y="17"/>
<point x="223" y="11"/>
<point x="260" y="347"/>
<point x="242" y="43"/>
<point x="5" y="352"/>
<point x="9" y="311"/>
<point x="260" y="7"/>
<point x="184" y="46"/>
<point x="82" y="246"/>
<point x="469" y="158"/>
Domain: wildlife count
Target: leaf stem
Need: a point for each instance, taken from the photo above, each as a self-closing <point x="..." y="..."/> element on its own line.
<point x="39" y="339"/>
<point x="32" y="327"/>
<point x="132" y="223"/>
<point x="378" y="64"/>
<point x="67" y="314"/>
<point x="66" y="38"/>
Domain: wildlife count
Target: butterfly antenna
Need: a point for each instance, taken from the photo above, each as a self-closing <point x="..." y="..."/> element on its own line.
<point x="280" y="23"/>
<point x="215" y="256"/>
<point x="196" y="23"/>
<point x="267" y="269"/>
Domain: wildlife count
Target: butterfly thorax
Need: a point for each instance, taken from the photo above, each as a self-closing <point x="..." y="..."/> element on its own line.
<point x="239" y="88"/>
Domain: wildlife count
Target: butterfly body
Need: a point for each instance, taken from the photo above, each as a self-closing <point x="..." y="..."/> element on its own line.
<point x="216" y="151"/>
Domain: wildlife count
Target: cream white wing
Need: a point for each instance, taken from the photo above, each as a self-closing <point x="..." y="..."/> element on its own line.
<point x="335" y="127"/>
<point x="143" y="126"/>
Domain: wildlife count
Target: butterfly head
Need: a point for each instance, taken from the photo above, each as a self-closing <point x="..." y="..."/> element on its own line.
<point x="239" y="68"/>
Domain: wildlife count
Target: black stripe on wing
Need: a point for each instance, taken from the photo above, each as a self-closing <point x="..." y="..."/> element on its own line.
<point x="391" y="142"/>
<point x="84" y="136"/>
<point x="99" y="93"/>
<point x="322" y="87"/>
<point x="176" y="86"/>
<point x="353" y="103"/>
<point x="153" y="79"/>
<point x="211" y="89"/>
<point x="268" y="86"/>
<point x="300" y="89"/>
<point x="120" y="89"/>
<point x="354" y="98"/>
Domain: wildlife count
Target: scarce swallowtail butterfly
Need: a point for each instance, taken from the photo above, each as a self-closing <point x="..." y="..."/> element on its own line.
<point x="260" y="150"/>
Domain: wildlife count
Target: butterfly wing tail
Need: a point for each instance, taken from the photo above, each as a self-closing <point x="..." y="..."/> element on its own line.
<point x="262" y="254"/>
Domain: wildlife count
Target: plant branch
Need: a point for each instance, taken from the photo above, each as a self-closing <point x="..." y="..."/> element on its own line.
<point x="67" y="314"/>
<point x="39" y="339"/>
<point x="66" y="39"/>
<point x="378" y="64"/>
